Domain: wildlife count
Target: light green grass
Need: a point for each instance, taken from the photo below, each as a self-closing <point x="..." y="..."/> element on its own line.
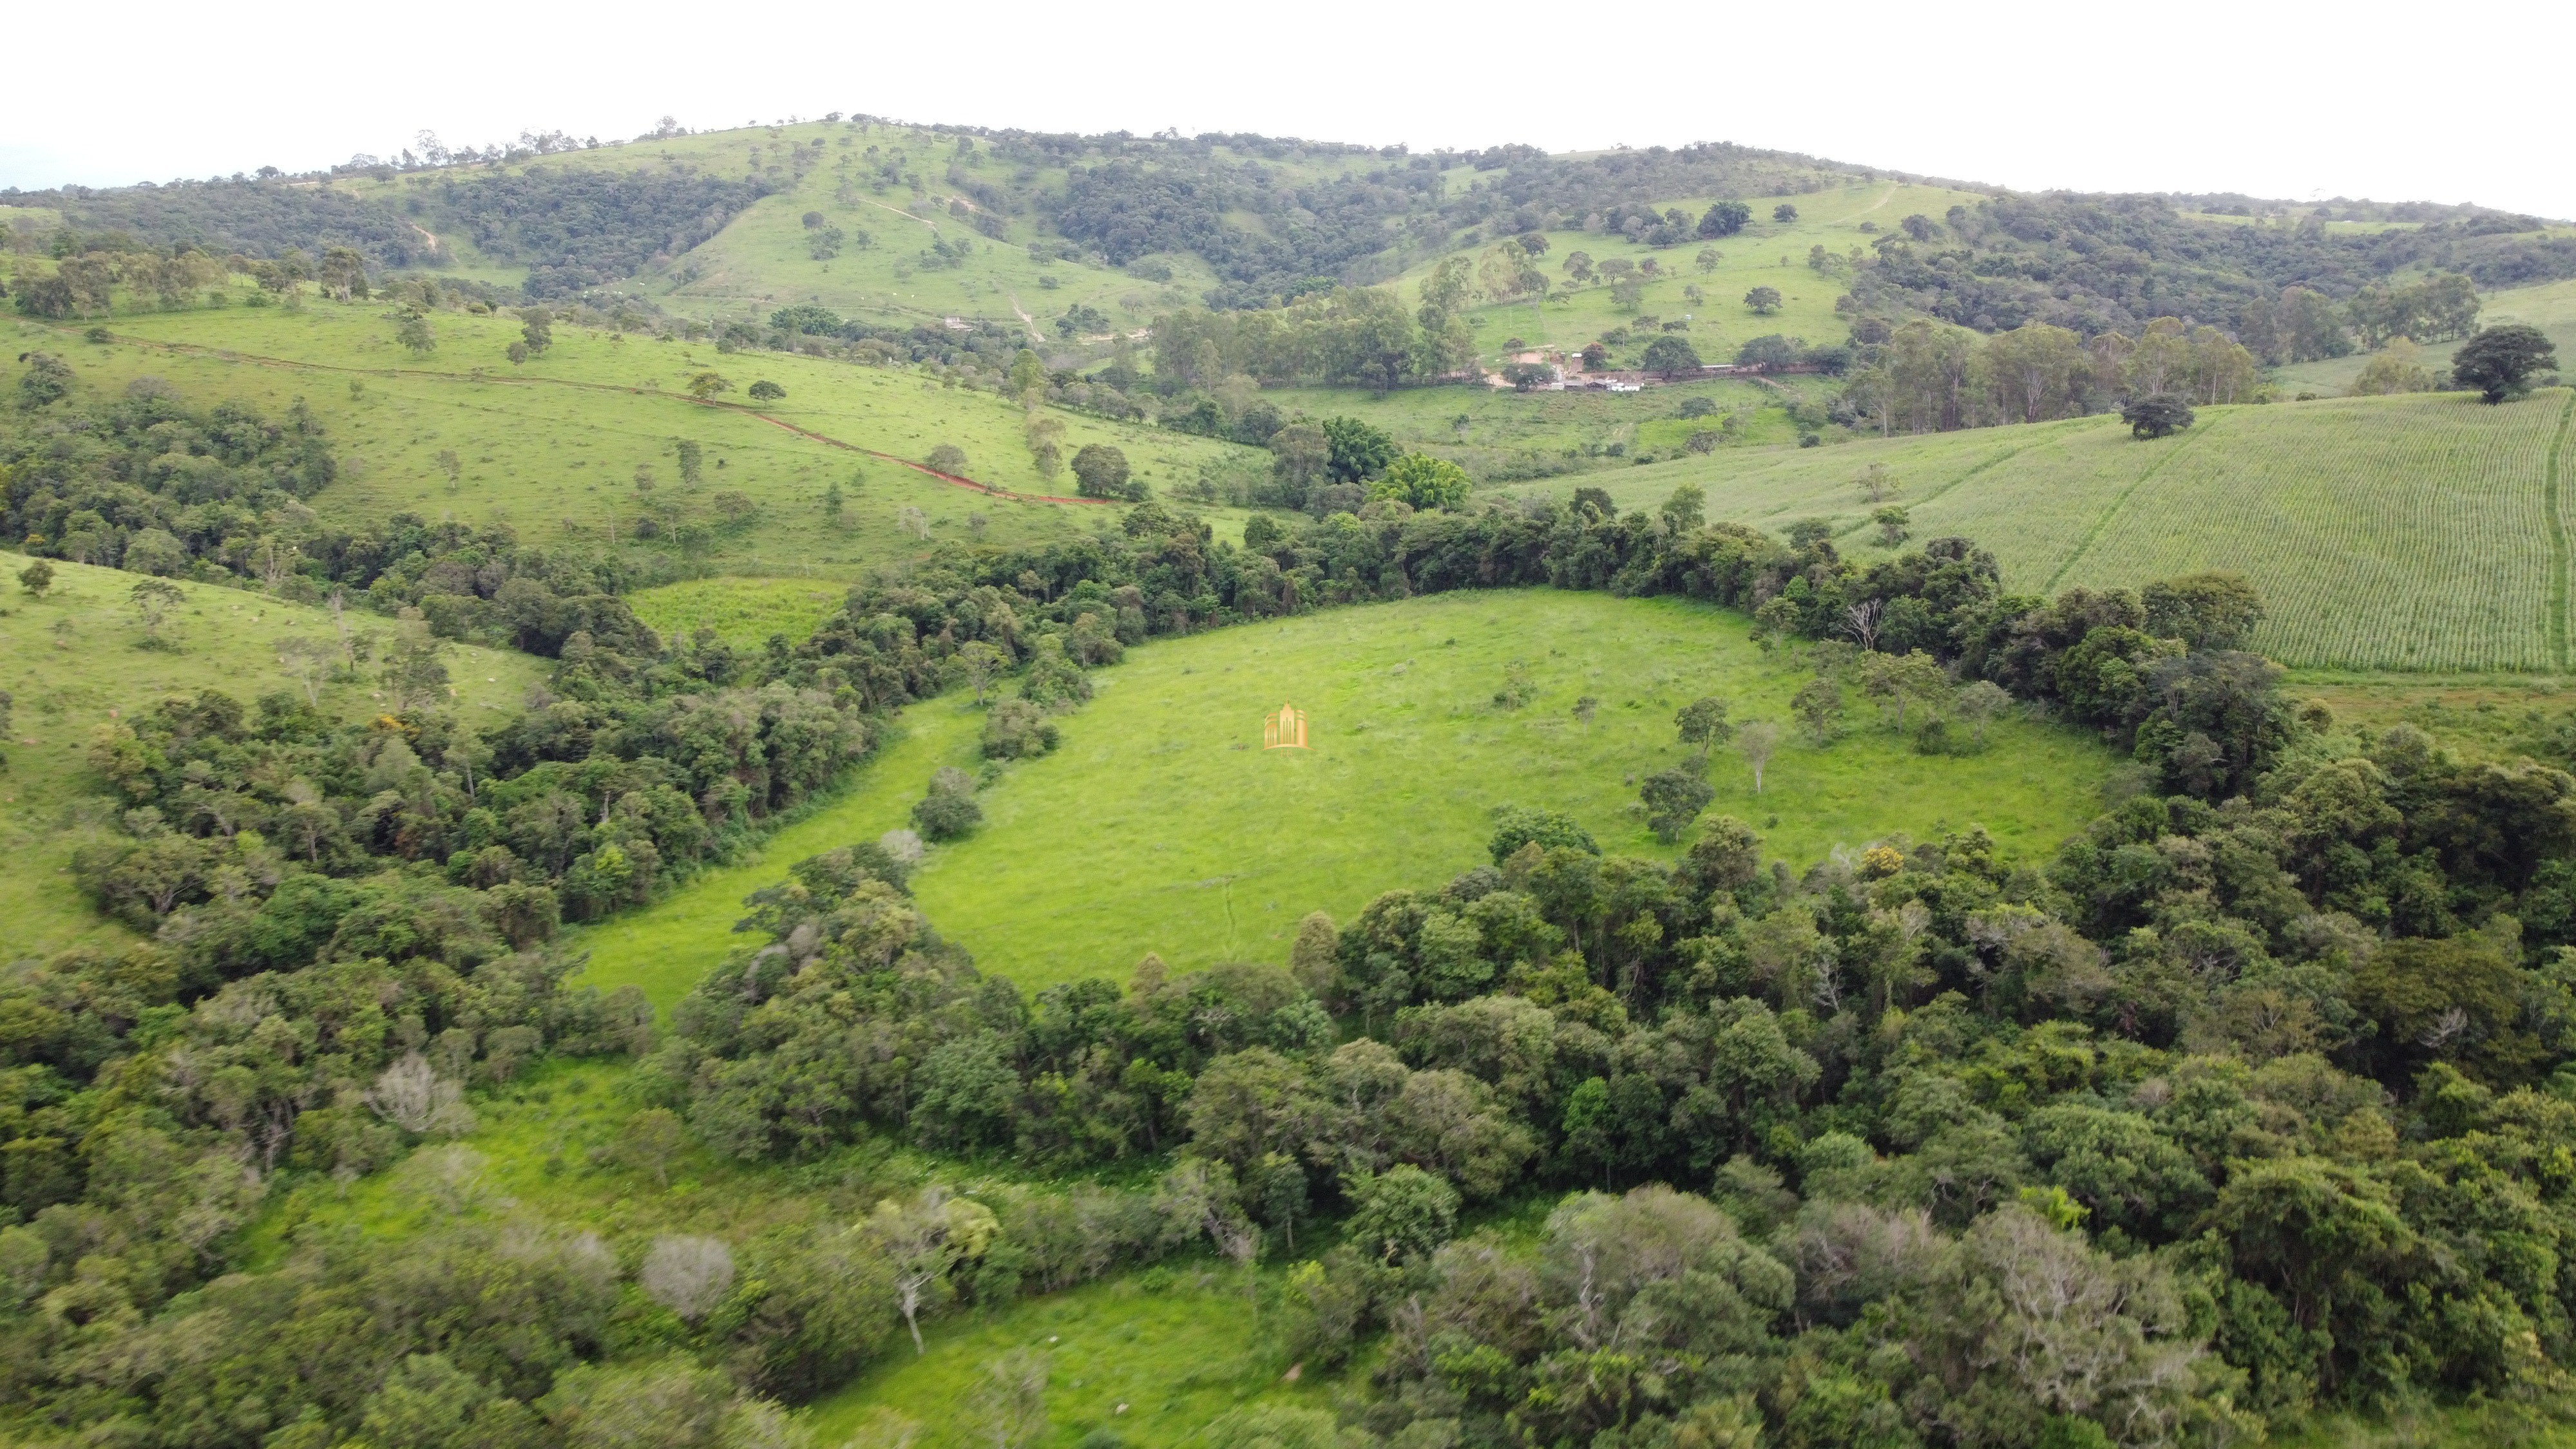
<point x="742" y="612"/>
<point x="71" y="661"/>
<point x="2385" y="533"/>
<point x="1505" y="430"/>
<point x="1766" y="254"/>
<point x="668" y="946"/>
<point x="1176" y="1359"/>
<point x="1162" y="825"/>
<point x="552" y="447"/>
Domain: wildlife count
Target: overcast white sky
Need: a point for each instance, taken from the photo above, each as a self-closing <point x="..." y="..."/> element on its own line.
<point x="2443" y="103"/>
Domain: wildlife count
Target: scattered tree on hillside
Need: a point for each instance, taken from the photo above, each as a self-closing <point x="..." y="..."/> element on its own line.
<point x="1894" y="525"/>
<point x="1673" y="799"/>
<point x="1875" y="482"/>
<point x="2501" y="361"/>
<point x="705" y="385"/>
<point x="2395" y="370"/>
<point x="1785" y="212"/>
<point x="36" y="577"/>
<point x="1702" y="722"/>
<point x="1707" y="259"/>
<point x="2156" y="415"/>
<point x="154" y="601"/>
<point x="946" y="458"/>
<point x="1423" y="481"/>
<point x="414" y="332"/>
<point x="1670" y="356"/>
<point x="765" y="391"/>
<point x="1979" y="702"/>
<point x="48" y="380"/>
<point x="1726" y="218"/>
<point x="1763" y="301"/>
<point x="1100" y="471"/>
<point x="536" y="329"/>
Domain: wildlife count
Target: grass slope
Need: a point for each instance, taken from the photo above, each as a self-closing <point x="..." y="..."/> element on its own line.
<point x="1154" y="1357"/>
<point x="71" y="659"/>
<point x="668" y="946"/>
<point x="2400" y="533"/>
<point x="552" y="447"/>
<point x="1765" y="254"/>
<point x="1162" y="825"/>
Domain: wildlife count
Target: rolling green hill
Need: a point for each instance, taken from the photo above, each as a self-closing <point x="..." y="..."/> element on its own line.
<point x="552" y="446"/>
<point x="2413" y="532"/>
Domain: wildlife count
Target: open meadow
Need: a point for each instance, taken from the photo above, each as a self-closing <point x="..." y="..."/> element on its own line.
<point x="555" y="447"/>
<point x="2422" y="531"/>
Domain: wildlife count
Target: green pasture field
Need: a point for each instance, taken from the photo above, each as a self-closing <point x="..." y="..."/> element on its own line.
<point x="1175" y="1350"/>
<point x="71" y="660"/>
<point x="552" y="447"/>
<point x="2422" y="532"/>
<point x="669" y="946"/>
<point x="1162" y="825"/>
<point x="1505" y="430"/>
<point x="742" y="612"/>
<point x="1765" y="254"/>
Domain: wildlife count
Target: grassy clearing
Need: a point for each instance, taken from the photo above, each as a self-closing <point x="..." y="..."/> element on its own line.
<point x="72" y="662"/>
<point x="1162" y="825"/>
<point x="2386" y="533"/>
<point x="668" y="946"/>
<point x="1173" y="1350"/>
<point x="552" y="447"/>
<point x="1500" y="434"/>
<point x="742" y="612"/>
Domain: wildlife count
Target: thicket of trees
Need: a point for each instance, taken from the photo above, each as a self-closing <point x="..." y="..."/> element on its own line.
<point x="576" y="229"/>
<point x="2097" y="264"/>
<point x="1929" y="376"/>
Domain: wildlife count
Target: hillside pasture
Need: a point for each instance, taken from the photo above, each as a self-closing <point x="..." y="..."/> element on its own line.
<point x="2416" y="532"/>
<point x="72" y="660"/>
<point x="1162" y="825"/>
<point x="552" y="447"/>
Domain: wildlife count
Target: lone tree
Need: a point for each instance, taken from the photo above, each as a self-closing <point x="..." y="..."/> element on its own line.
<point x="1763" y="300"/>
<point x="154" y="601"/>
<point x="1702" y="722"/>
<point x="414" y="332"/>
<point x="1673" y="799"/>
<point x="2156" y="415"/>
<point x="1100" y="471"/>
<point x="707" y="384"/>
<point x="767" y="391"/>
<point x="36" y="577"/>
<point x="2499" y="361"/>
<point x="1726" y="218"/>
<point x="1669" y="357"/>
<point x="536" y="329"/>
<point x="1784" y="212"/>
<point x="1755" y="742"/>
